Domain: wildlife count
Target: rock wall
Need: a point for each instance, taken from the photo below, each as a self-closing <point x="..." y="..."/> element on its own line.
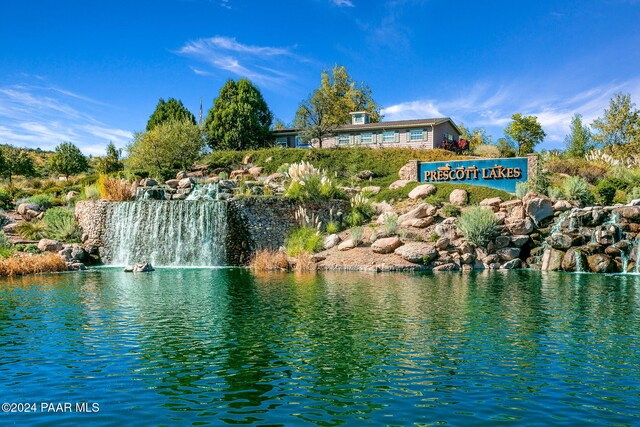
<point x="91" y="216"/>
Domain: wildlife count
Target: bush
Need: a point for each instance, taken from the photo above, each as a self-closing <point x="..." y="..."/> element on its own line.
<point x="223" y="175"/>
<point x="114" y="189"/>
<point x="435" y="200"/>
<point x="355" y="233"/>
<point x="606" y="190"/>
<point x="555" y="193"/>
<point x="30" y="264"/>
<point x="269" y="260"/>
<point x="434" y="237"/>
<point x="33" y="230"/>
<point x="332" y="227"/>
<point x="310" y="184"/>
<point x="477" y="225"/>
<point x="91" y="192"/>
<point x="522" y="188"/>
<point x="304" y="239"/>
<point x="361" y="210"/>
<point x="390" y="222"/>
<point x="451" y="211"/>
<point x="487" y="151"/>
<point x="5" y="200"/>
<point x="633" y="194"/>
<point x="6" y="248"/>
<point x="576" y="188"/>
<point x="61" y="225"/>
<point x="42" y="200"/>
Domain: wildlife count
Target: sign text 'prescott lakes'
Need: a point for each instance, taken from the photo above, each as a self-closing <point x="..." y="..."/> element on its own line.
<point x="502" y="174"/>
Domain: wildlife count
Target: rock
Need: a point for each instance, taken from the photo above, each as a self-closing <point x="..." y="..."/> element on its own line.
<point x="562" y="206"/>
<point x="511" y="265"/>
<point x="443" y="243"/>
<point x="382" y="208"/>
<point x="78" y="254"/>
<point x="346" y="245"/>
<point x="181" y="175"/>
<point x="398" y="184"/>
<point x="70" y="195"/>
<point x="447" y="267"/>
<point x="507" y="254"/>
<point x="552" y="259"/>
<point x="247" y="159"/>
<point x="144" y="267"/>
<point x="148" y="182"/>
<point x="570" y="259"/>
<point x="538" y="207"/>
<point x="635" y="202"/>
<point x="513" y="208"/>
<point x="331" y="240"/>
<point x="256" y="171"/>
<point x="417" y="252"/>
<point x="419" y="222"/>
<point x="519" y="240"/>
<point x="48" y="245"/>
<point x="185" y="183"/>
<point x="383" y="217"/>
<point x="422" y="191"/>
<point x="371" y="190"/>
<point x="238" y="174"/>
<point x="600" y="263"/>
<point x="447" y="230"/>
<point x="458" y="197"/>
<point x="467" y="258"/>
<point x="423" y="210"/>
<point x="519" y="226"/>
<point x="274" y="177"/>
<point x="75" y="266"/>
<point x="408" y="171"/>
<point x="631" y="213"/>
<point x="179" y="196"/>
<point x="386" y="245"/>
<point x="173" y="183"/>
<point x="493" y="203"/>
<point x="502" y="242"/>
<point x="560" y="241"/>
<point x="23" y="208"/>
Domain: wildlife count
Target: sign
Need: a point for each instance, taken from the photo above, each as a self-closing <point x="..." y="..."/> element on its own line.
<point x="502" y="174"/>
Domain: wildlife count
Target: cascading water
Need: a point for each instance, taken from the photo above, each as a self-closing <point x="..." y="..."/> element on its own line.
<point x="166" y="233"/>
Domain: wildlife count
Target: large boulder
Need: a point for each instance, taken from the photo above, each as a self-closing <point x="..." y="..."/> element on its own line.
<point x="519" y="226"/>
<point x="173" y="183"/>
<point x="458" y="197"/>
<point x="519" y="240"/>
<point x="346" y="245"/>
<point x="419" y="222"/>
<point x="422" y="191"/>
<point x="538" y="207"/>
<point x="600" y="263"/>
<point x="143" y="267"/>
<point x="447" y="267"/>
<point x="418" y="252"/>
<point x="330" y="241"/>
<point x="631" y="213"/>
<point x="572" y="259"/>
<point x="560" y="241"/>
<point x="386" y="245"/>
<point x="185" y="183"/>
<point x="552" y="259"/>
<point x="400" y="183"/>
<point x="421" y="211"/>
<point x="443" y="243"/>
<point x="48" y="245"/>
<point x="507" y="254"/>
<point x="513" y="208"/>
<point x="493" y="203"/>
<point x="562" y="206"/>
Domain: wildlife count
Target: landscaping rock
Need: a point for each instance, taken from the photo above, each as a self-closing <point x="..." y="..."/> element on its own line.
<point x="443" y="243"/>
<point x="386" y="245"/>
<point x="417" y="252"/>
<point x="570" y="259"/>
<point x="419" y="222"/>
<point x="458" y="197"/>
<point x="631" y="213"/>
<point x="185" y="183"/>
<point x="382" y="208"/>
<point x="493" y="203"/>
<point x="75" y="266"/>
<point x="562" y="206"/>
<point x="181" y="175"/>
<point x="508" y="254"/>
<point x="173" y="183"/>
<point x="635" y="202"/>
<point x="502" y="242"/>
<point x="423" y="210"/>
<point x="148" y="182"/>
<point x="600" y="263"/>
<point x="364" y="175"/>
<point x="247" y="159"/>
<point x="552" y="259"/>
<point x="447" y="267"/>
<point x="519" y="226"/>
<point x="256" y="171"/>
<point x="560" y="241"/>
<point x="422" y="191"/>
<point x="538" y="207"/>
<point x="513" y="208"/>
<point x="398" y="184"/>
<point x="144" y="267"/>
<point x="331" y="240"/>
<point x="274" y="177"/>
<point x="346" y="245"/>
<point x="372" y="190"/>
<point x="48" y="245"/>
<point x="25" y="208"/>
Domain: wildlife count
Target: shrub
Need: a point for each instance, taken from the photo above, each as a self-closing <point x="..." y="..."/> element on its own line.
<point x="304" y="239"/>
<point x="6" y="248"/>
<point x="434" y="237"/>
<point x="361" y="210"/>
<point x="355" y="233"/>
<point x="32" y="230"/>
<point x="309" y="183"/>
<point x="91" y="192"/>
<point x="576" y="188"/>
<point x="633" y="194"/>
<point x="332" y="227"/>
<point x="606" y="190"/>
<point x="555" y="193"/>
<point x="451" y="211"/>
<point x="114" y="189"/>
<point x="305" y="262"/>
<point x="373" y="236"/>
<point x="487" y="150"/>
<point x="61" y="225"/>
<point x="435" y="200"/>
<point x="5" y="200"/>
<point x="30" y="264"/>
<point x="522" y="188"/>
<point x="477" y="225"/>
<point x="390" y="222"/>
<point x="42" y="200"/>
<point x="283" y="168"/>
<point x="223" y="175"/>
<point x="269" y="260"/>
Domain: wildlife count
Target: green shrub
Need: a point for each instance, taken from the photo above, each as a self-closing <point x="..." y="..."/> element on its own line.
<point x="477" y="225"/>
<point x="332" y="227"/>
<point x="435" y="200"/>
<point x="434" y="237"/>
<point x="390" y="222"/>
<point x="361" y="210"/>
<point x="633" y="194"/>
<point x="304" y="239"/>
<point x="91" y="192"/>
<point x="5" y="200"/>
<point x="576" y="188"/>
<point x="487" y="150"/>
<point x="355" y="233"/>
<point x="451" y="210"/>
<point x="33" y="230"/>
<point x="555" y="193"/>
<point x="42" y="200"/>
<point x="61" y="225"/>
<point x="223" y="175"/>
<point x="606" y="190"/>
<point x="310" y="184"/>
<point x="6" y="248"/>
<point x="283" y="168"/>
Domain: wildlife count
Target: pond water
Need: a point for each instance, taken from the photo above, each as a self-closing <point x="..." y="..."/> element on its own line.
<point x="224" y="346"/>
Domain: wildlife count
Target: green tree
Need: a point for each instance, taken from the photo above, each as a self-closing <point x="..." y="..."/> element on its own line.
<point x="111" y="162"/>
<point x="15" y="161"/>
<point x="165" y="149"/>
<point x="620" y="124"/>
<point x="526" y="132"/>
<point x="506" y="148"/>
<point x="172" y="109"/>
<point x="313" y="118"/>
<point x="67" y="159"/>
<point x="239" y="118"/>
<point x="579" y="140"/>
<point x="476" y="138"/>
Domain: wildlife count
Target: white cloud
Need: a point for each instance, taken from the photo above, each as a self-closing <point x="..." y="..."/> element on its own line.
<point x="343" y="3"/>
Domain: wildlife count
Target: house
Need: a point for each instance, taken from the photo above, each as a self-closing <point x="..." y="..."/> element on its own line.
<point x="424" y="133"/>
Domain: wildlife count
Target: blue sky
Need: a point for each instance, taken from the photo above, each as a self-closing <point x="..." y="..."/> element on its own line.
<point x="93" y="71"/>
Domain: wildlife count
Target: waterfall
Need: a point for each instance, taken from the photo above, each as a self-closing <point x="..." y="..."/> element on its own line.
<point x="579" y="266"/>
<point x="166" y="233"/>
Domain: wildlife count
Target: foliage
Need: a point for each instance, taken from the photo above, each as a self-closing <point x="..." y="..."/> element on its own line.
<point x="476" y="137"/>
<point x="390" y="222"/>
<point x="308" y="183"/>
<point x="61" y="225"/>
<point x="361" y="210"/>
<point x="579" y="140"/>
<point x="506" y="148"/>
<point x="43" y="201"/>
<point x="633" y="194"/>
<point x="522" y="188"/>
<point x="434" y="237"/>
<point x="32" y="230"/>
<point x="576" y="188"/>
<point x="443" y="190"/>
<point x="606" y="190"/>
<point x="269" y="260"/>
<point x="555" y="192"/>
<point x="355" y="234"/>
<point x="592" y="171"/>
<point x="541" y="179"/>
<point x="30" y="264"/>
<point x="165" y="149"/>
<point x="451" y="211"/>
<point x="5" y="200"/>
<point x="313" y="118"/>
<point x="169" y="110"/>
<point x="15" y="161"/>
<point x="91" y="192"/>
<point x="487" y="151"/>
<point x="111" y="162"/>
<point x="332" y="227"/>
<point x="114" y="189"/>
<point x="620" y="123"/>
<point x="68" y="160"/>
<point x="436" y="200"/>
<point x="304" y="239"/>
<point x="526" y="132"/>
<point x="6" y="248"/>
<point x="477" y="224"/>
<point x="239" y="118"/>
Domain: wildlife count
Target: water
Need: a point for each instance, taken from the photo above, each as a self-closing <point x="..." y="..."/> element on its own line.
<point x="579" y="266"/>
<point x="225" y="347"/>
<point x="175" y="233"/>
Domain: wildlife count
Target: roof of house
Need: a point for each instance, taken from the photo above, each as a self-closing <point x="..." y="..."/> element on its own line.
<point x="386" y="125"/>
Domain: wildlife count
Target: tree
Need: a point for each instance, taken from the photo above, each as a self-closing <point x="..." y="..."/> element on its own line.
<point x="526" y="132"/>
<point x="620" y="124"/>
<point x="111" y="162"/>
<point x="172" y="109"/>
<point x="165" y="149"/>
<point x="68" y="160"/>
<point x="313" y="118"/>
<point x="15" y="161"/>
<point x="239" y="118"/>
<point x="476" y="138"/>
<point x="579" y="140"/>
<point x="506" y="148"/>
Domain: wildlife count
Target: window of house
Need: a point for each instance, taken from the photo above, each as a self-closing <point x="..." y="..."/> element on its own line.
<point x="342" y="139"/>
<point x="389" y="136"/>
<point x="358" y="119"/>
<point x="416" y="135"/>
<point x="448" y="137"/>
<point x="366" y="138"/>
<point x="281" y="141"/>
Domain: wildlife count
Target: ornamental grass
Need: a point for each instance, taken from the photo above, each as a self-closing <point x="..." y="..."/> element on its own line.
<point x="30" y="264"/>
<point x="269" y="260"/>
<point x="114" y="189"/>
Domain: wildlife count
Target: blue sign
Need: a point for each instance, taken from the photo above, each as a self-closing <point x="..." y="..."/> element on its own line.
<point x="502" y="174"/>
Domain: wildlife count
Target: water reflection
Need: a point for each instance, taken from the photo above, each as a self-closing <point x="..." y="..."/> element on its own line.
<point x="226" y="346"/>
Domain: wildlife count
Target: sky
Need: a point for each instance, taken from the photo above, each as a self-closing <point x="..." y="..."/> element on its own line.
<point x="91" y="72"/>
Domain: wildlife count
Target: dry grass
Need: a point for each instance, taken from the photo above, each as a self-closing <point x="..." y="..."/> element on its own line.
<point x="305" y="262"/>
<point x="269" y="260"/>
<point x="30" y="264"/>
<point x="114" y="189"/>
